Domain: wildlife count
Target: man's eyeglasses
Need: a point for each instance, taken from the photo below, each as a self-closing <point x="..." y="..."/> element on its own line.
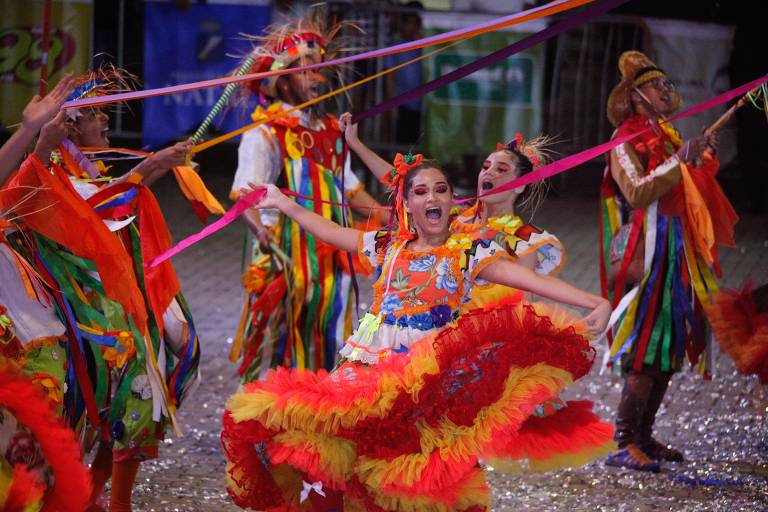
<point x="660" y="84"/>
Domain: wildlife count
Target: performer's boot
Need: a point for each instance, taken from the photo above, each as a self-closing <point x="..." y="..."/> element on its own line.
<point x="123" y="477"/>
<point x="644" y="439"/>
<point x="101" y="472"/>
<point x="634" y="398"/>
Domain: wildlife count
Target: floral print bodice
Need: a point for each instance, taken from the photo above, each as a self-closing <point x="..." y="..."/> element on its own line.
<point x="416" y="291"/>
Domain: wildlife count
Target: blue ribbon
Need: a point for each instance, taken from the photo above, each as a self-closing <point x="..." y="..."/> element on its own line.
<point x="656" y="266"/>
<point x="124" y="198"/>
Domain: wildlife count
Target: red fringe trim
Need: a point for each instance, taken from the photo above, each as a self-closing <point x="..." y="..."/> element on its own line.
<point x="357" y="493"/>
<point x="72" y="483"/>
<point x="571" y="430"/>
<point x="475" y="357"/>
<point x="255" y="486"/>
<point x="741" y="328"/>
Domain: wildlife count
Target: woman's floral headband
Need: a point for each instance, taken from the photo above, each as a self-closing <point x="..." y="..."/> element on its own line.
<point x="402" y="164"/>
<point x="395" y="179"/>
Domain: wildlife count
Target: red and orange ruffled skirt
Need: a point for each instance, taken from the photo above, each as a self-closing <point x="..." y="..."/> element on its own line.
<point x="408" y="433"/>
<point x="740" y="322"/>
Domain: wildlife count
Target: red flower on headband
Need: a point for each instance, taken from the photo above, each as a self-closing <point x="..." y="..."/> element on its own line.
<point x="402" y="164"/>
<point x="518" y="144"/>
<point x="395" y="179"/>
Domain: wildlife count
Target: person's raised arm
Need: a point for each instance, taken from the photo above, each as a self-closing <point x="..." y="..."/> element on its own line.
<point x="511" y="274"/>
<point x="326" y="230"/>
<point x="377" y="165"/>
<point x="157" y="164"/>
<point x="36" y="114"/>
<point x="52" y="135"/>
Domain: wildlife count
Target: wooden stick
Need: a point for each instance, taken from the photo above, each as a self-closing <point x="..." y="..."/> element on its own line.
<point x="44" y="48"/>
<point x="729" y="113"/>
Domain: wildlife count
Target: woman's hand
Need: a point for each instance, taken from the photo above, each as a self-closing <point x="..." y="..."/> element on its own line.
<point x="349" y="130"/>
<point x="597" y="321"/>
<point x="272" y="198"/>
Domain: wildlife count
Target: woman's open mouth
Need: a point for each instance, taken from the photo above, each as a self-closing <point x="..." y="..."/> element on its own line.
<point x="433" y="214"/>
<point x="486" y="185"/>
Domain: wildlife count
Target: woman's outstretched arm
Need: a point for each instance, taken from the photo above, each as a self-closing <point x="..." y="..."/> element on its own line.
<point x="511" y="274"/>
<point x="326" y="230"/>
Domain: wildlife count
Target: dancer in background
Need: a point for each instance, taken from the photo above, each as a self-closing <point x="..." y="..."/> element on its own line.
<point x="663" y="216"/>
<point x="40" y="462"/>
<point x="134" y="350"/>
<point x="298" y="307"/>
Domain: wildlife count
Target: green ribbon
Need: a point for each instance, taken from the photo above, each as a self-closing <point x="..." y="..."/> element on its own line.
<point x="662" y="329"/>
<point x="606" y="242"/>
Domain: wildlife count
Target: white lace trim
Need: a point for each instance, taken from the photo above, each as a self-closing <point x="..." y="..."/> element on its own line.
<point x="385" y="340"/>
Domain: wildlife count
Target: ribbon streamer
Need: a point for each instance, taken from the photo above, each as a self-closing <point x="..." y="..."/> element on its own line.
<point x="577" y="159"/>
<point x="463" y="33"/>
<point x="233" y="213"/>
<point x="547" y="171"/>
<point x="221" y="138"/>
<point x="523" y="44"/>
<point x="577" y="19"/>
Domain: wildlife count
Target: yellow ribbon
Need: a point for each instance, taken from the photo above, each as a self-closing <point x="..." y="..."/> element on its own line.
<point x="221" y="138"/>
<point x="193" y="188"/>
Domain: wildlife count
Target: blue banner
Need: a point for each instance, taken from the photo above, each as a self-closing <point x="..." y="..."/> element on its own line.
<point x="191" y="44"/>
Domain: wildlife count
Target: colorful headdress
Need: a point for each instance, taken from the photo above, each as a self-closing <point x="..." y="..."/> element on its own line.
<point x="101" y="82"/>
<point x="395" y="180"/>
<point x="535" y="150"/>
<point x="636" y="69"/>
<point x="282" y="45"/>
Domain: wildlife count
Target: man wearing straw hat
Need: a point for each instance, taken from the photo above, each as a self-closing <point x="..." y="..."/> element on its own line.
<point x="663" y="216"/>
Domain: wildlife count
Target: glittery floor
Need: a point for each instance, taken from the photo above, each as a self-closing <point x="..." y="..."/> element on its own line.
<point x="719" y="425"/>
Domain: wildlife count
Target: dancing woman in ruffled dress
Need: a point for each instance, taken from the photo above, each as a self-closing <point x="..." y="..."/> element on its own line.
<point x="421" y="392"/>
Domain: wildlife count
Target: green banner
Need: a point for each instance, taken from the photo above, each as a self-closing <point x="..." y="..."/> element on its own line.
<point x="21" y="37"/>
<point x="464" y="120"/>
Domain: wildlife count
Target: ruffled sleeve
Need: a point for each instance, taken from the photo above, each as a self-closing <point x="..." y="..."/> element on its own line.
<point x="479" y="249"/>
<point x="550" y="253"/>
<point x="371" y="248"/>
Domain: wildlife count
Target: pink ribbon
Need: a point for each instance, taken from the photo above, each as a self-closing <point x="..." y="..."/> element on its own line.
<point x="577" y="159"/>
<point x="412" y="45"/>
<point x="245" y="202"/>
<point x="547" y="171"/>
<point x="233" y="213"/>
